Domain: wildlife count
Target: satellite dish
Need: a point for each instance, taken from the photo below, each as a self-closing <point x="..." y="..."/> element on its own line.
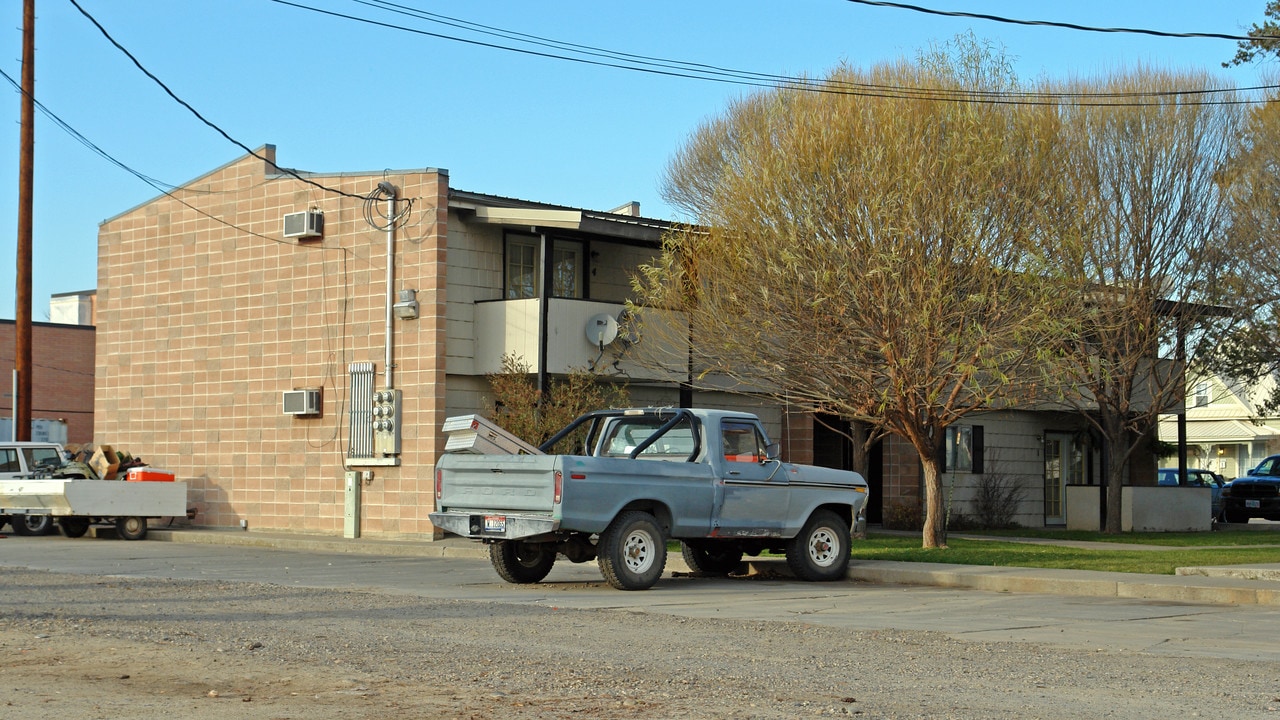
<point x="602" y="329"/>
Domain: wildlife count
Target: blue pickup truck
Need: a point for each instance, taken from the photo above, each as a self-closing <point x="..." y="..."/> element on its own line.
<point x="633" y="479"/>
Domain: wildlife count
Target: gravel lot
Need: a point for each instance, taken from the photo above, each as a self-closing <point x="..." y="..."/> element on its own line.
<point x="77" y="646"/>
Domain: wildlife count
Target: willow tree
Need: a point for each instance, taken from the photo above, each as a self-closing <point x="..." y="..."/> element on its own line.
<point x="1140" y="234"/>
<point x="1253" y="350"/>
<point x="863" y="246"/>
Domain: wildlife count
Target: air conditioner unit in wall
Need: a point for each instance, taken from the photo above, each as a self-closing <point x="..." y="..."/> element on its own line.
<point x="300" y="402"/>
<point x="302" y="225"/>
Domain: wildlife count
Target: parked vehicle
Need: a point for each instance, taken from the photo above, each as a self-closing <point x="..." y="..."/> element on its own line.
<point x="1198" y="477"/>
<point x="638" y="477"/>
<point x="1255" y="494"/>
<point x="35" y="459"/>
<point x="41" y="490"/>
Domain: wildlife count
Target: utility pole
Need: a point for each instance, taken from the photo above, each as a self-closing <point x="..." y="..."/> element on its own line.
<point x="26" y="163"/>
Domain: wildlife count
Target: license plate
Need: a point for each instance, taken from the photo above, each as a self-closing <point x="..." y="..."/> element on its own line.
<point x="1253" y="503"/>
<point x="495" y="523"/>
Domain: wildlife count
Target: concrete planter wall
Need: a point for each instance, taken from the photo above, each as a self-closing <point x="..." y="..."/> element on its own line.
<point x="1143" y="509"/>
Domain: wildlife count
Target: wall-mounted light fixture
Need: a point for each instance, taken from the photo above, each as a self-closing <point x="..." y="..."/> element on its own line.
<point x="407" y="307"/>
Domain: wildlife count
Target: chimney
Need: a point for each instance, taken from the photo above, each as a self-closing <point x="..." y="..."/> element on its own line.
<point x="632" y="208"/>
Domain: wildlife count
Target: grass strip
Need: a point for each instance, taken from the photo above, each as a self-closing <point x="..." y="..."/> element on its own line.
<point x="996" y="553"/>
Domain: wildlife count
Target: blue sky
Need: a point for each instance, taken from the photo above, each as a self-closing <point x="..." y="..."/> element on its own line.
<point x="334" y="95"/>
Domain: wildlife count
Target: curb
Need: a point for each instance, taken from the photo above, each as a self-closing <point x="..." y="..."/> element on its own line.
<point x="1239" y="585"/>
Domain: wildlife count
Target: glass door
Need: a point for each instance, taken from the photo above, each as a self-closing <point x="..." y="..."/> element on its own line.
<point x="1063" y="465"/>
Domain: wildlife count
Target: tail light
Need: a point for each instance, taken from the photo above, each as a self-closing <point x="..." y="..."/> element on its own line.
<point x="559" y="491"/>
<point x="439" y="483"/>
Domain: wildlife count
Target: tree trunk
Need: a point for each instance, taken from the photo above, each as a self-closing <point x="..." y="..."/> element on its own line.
<point x="934" y="516"/>
<point x="861" y="459"/>
<point x="1117" y="450"/>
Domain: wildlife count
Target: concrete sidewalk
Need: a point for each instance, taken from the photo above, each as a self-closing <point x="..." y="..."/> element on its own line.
<point x="1232" y="585"/>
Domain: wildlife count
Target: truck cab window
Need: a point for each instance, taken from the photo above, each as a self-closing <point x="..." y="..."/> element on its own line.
<point x="742" y="442"/>
<point x="624" y="436"/>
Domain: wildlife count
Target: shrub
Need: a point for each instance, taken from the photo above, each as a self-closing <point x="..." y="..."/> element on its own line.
<point x="522" y="409"/>
<point x="996" y="503"/>
<point x="904" y="516"/>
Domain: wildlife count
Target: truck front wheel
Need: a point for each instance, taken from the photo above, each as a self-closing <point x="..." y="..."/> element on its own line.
<point x="521" y="562"/>
<point x="821" y="550"/>
<point x="29" y="525"/>
<point x="711" y="558"/>
<point x="633" y="551"/>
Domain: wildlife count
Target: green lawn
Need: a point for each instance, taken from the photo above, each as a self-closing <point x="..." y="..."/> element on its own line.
<point x="1185" y="549"/>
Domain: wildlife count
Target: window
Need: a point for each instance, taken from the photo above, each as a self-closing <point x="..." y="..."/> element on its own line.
<point x="522" y="267"/>
<point x="566" y="269"/>
<point x="523" y="276"/>
<point x="1202" y="394"/>
<point x="742" y="442"/>
<point x="9" y="461"/>
<point x="46" y="458"/>
<point x="962" y="449"/>
<point x="626" y="435"/>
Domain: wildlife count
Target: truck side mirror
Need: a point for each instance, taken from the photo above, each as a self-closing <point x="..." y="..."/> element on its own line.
<point x="771" y="452"/>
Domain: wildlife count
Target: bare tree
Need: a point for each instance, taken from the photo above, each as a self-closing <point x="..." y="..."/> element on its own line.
<point x="1140" y="235"/>
<point x="863" y="255"/>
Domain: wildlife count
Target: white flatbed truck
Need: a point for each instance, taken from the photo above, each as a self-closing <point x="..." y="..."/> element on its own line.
<point x="76" y="503"/>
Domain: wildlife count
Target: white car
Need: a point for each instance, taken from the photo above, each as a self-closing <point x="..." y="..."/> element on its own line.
<point x="34" y="459"/>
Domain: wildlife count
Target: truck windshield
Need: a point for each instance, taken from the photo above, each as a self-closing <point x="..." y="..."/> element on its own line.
<point x="624" y="435"/>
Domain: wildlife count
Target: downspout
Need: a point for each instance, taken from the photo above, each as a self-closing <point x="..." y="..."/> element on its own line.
<point x="390" y="191"/>
<point x="544" y="309"/>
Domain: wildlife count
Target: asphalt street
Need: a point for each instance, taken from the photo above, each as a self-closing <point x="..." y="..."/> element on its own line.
<point x="1244" y="632"/>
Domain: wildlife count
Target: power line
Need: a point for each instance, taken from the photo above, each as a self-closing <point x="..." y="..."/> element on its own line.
<point x="1064" y="25"/>
<point x="202" y="118"/>
<point x="695" y="71"/>
<point x="163" y="187"/>
<point x="772" y="79"/>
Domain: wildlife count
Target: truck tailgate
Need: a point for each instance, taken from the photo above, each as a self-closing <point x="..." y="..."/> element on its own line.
<point x="502" y="483"/>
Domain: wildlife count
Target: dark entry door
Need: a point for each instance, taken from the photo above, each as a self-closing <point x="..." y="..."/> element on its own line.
<point x="832" y="448"/>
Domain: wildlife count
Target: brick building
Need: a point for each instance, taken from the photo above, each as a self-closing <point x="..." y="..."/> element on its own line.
<point x="208" y="312"/>
<point x="62" y="376"/>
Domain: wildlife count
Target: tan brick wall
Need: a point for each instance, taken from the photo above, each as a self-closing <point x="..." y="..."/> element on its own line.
<point x="61" y="379"/>
<point x="206" y="314"/>
<point x="901" y="472"/>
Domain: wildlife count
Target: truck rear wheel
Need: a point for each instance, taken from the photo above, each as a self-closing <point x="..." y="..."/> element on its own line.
<point x="131" y="528"/>
<point x="633" y="551"/>
<point x="521" y="562"/>
<point x="711" y="558"/>
<point x="821" y="550"/>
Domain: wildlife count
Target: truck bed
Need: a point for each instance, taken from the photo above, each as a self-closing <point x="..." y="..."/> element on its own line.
<point x="93" y="498"/>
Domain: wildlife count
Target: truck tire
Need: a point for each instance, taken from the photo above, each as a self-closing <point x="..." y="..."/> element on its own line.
<point x="711" y="558"/>
<point x="633" y="551"/>
<point x="521" y="562"/>
<point x="821" y="550"/>
<point x="31" y="524"/>
<point x="73" y="527"/>
<point x="131" y="528"/>
<point x="1233" y="516"/>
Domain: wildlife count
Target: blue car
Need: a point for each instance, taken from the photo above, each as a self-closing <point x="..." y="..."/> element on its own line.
<point x="1198" y="478"/>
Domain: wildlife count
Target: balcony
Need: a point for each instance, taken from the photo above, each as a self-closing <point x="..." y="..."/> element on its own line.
<point x="511" y="327"/>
